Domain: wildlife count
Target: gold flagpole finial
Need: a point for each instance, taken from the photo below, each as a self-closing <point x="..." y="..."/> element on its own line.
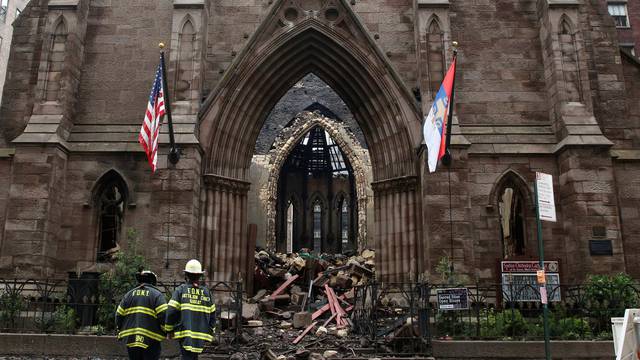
<point x="455" y="44"/>
<point x="161" y="46"/>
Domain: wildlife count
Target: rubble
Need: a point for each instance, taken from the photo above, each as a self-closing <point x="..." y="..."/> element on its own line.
<point x="304" y="303"/>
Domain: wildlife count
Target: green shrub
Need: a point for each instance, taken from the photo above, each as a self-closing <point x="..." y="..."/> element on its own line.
<point x="503" y="324"/>
<point x="607" y="296"/>
<point x="116" y="282"/>
<point x="11" y="304"/>
<point x="565" y="327"/>
<point x="64" y="320"/>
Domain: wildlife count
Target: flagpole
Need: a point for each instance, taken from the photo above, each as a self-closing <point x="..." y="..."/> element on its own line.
<point x="174" y="152"/>
<point x="446" y="158"/>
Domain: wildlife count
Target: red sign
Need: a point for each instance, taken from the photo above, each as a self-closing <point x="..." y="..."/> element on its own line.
<point x="528" y="266"/>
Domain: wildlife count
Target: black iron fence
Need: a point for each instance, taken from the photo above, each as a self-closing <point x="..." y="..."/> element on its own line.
<point x="500" y="311"/>
<point x="83" y="305"/>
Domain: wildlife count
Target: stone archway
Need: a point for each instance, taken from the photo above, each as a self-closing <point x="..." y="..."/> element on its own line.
<point x="327" y="39"/>
<point x="283" y="146"/>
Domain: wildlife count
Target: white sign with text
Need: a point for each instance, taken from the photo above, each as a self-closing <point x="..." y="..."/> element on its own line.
<point x="546" y="203"/>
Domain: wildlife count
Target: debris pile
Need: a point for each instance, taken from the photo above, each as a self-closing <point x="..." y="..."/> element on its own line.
<point x="303" y="298"/>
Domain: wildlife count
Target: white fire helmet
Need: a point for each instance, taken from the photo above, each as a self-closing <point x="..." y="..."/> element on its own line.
<point x="193" y="267"/>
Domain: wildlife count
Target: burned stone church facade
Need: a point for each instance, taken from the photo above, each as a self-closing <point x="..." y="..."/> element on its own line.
<point x="300" y="126"/>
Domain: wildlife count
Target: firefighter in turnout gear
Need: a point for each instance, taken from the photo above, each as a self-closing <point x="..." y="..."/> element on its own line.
<point x="191" y="315"/>
<point x="140" y="318"/>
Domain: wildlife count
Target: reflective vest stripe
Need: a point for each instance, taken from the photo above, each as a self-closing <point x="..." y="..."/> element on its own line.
<point x="193" y="349"/>
<point x="137" y="309"/>
<point x="141" y="331"/>
<point x="199" y="308"/>
<point x="174" y="304"/>
<point x="193" y="335"/>
<point x="161" y="308"/>
<point x="138" y="344"/>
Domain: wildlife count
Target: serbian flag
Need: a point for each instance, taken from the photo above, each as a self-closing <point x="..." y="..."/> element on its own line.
<point x="435" y="124"/>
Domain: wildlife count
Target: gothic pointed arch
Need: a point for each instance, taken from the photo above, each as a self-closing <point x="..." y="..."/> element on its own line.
<point x="110" y="197"/>
<point x="55" y="60"/>
<point x="328" y="39"/>
<point x="186" y="67"/>
<point x="565" y="26"/>
<point x="512" y="199"/>
<point x="435" y="54"/>
<point x="284" y="145"/>
<point x="344" y="56"/>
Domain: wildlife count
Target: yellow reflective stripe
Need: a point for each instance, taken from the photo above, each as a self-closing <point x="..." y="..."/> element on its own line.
<point x="138" y="344"/>
<point x="174" y="304"/>
<point x="193" y="349"/>
<point x="139" y="309"/>
<point x="120" y="310"/>
<point x="193" y="335"/>
<point x="199" y="308"/>
<point x="161" y="308"/>
<point x="141" y="331"/>
<point x="167" y="328"/>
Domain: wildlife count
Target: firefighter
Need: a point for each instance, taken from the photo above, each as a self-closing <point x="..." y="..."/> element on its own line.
<point x="140" y="318"/>
<point x="191" y="314"/>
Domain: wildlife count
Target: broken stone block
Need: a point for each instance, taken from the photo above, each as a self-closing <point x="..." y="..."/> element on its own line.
<point x="330" y="354"/>
<point x="285" y="325"/>
<point x="321" y="331"/>
<point x="342" y="333"/>
<point x="301" y="320"/>
<point x="258" y="296"/>
<point x="254" y="323"/>
<point x="266" y="305"/>
<point x="297" y="298"/>
<point x="250" y="312"/>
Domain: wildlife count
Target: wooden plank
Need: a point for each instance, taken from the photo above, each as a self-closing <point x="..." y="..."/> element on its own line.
<point x="283" y="287"/>
<point x="304" y="333"/>
<point x="329" y="320"/>
<point x="323" y="309"/>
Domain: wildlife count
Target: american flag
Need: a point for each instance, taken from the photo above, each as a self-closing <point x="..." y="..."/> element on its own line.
<point x="150" y="130"/>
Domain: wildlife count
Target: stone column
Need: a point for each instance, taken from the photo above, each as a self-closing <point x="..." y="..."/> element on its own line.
<point x="34" y="212"/>
<point x="398" y="231"/>
<point x="225" y="247"/>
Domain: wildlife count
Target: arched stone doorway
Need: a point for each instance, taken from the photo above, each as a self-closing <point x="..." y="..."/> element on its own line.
<point x="336" y="47"/>
<point x="286" y="142"/>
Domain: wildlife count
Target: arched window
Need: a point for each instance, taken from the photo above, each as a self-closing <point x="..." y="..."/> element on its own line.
<point x="111" y="198"/>
<point x="55" y="63"/>
<point x="511" y="204"/>
<point x="344" y="223"/>
<point x="290" y="212"/>
<point x="186" y="63"/>
<point x="317" y="226"/>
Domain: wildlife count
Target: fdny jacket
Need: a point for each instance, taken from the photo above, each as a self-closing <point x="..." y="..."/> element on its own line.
<point x="191" y="316"/>
<point x="141" y="315"/>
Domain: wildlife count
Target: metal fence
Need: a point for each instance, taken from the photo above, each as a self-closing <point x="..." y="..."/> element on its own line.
<point x="394" y="316"/>
<point x="489" y="311"/>
<point x="83" y="305"/>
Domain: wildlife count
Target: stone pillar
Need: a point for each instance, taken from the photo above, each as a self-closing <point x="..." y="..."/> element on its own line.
<point x="225" y="247"/>
<point x="398" y="229"/>
<point x="34" y="212"/>
<point x="586" y="180"/>
<point x="588" y="198"/>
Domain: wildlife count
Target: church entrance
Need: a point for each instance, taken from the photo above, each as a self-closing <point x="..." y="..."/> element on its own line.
<point x="316" y="197"/>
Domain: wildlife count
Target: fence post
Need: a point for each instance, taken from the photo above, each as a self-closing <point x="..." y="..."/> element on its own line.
<point x="239" y="308"/>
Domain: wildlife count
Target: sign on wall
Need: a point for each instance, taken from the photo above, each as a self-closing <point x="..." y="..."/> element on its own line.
<point x="520" y="281"/>
<point x="546" y="203"/>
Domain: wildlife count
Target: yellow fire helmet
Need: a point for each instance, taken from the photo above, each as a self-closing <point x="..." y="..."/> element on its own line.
<point x="193" y="267"/>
